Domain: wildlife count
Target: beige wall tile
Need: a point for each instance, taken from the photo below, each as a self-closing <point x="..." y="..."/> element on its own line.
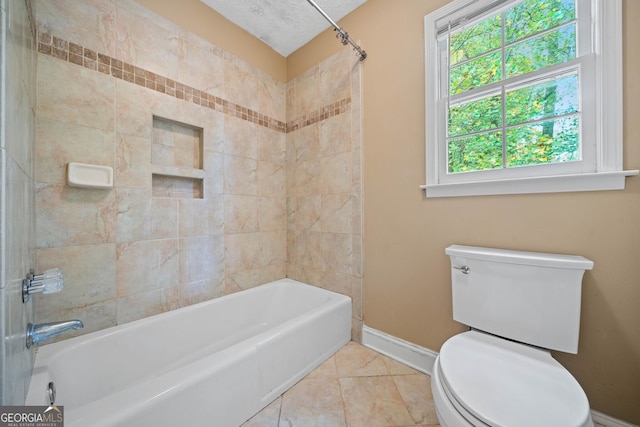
<point x="337" y="252"/>
<point x="164" y="218"/>
<point x="75" y="94"/>
<point x="18" y="235"/>
<point x="247" y="279"/>
<point x="145" y="304"/>
<point x="241" y="138"/>
<point x="193" y="218"/>
<point x="132" y="162"/>
<point x="335" y="135"/>
<point x="203" y="290"/>
<point x="272" y="146"/>
<point x="18" y="109"/>
<point x="95" y="317"/>
<point x="305" y="96"/>
<point x="201" y="258"/>
<point x="308" y="211"/>
<point x="253" y="89"/>
<point x="60" y="18"/>
<point x="136" y="106"/>
<point x="152" y="46"/>
<point x="308" y="247"/>
<point x="272" y="179"/>
<point x="307" y="178"/>
<point x="69" y="216"/>
<point x="242" y="252"/>
<point x="336" y="214"/>
<point x="89" y="276"/>
<point x="241" y="213"/>
<point x="215" y="205"/>
<point x="196" y="54"/>
<point x="133" y="213"/>
<point x="336" y="173"/>
<point x="240" y="175"/>
<point x="335" y="77"/>
<point x="271" y="214"/>
<point x="214" y="172"/>
<point x="147" y="265"/>
<point x="62" y="142"/>
<point x="306" y="143"/>
<point x="274" y="247"/>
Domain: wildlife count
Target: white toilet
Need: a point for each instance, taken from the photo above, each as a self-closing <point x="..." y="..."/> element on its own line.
<point x="500" y="373"/>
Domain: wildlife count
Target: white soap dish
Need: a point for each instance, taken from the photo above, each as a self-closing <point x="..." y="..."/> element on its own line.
<point x="89" y="176"/>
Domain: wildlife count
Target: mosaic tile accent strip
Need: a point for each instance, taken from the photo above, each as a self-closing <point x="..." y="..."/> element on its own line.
<point x="319" y="115"/>
<point x="79" y="55"/>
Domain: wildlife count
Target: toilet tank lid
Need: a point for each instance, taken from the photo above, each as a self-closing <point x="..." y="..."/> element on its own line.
<point x="573" y="262"/>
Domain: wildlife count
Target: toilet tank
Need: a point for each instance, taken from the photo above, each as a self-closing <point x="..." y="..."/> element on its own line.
<point x="529" y="297"/>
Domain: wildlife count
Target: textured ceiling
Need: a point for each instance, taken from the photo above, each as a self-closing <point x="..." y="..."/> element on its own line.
<point x="285" y="25"/>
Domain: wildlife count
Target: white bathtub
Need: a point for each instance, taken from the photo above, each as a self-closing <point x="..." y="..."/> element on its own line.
<point x="215" y="363"/>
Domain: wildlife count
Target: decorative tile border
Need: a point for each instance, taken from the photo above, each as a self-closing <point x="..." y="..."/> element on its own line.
<point x="79" y="55"/>
<point x="320" y="114"/>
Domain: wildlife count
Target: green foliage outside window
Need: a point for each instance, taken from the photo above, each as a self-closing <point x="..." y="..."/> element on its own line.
<point x="537" y="122"/>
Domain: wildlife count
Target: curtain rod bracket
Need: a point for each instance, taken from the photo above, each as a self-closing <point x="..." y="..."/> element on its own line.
<point x="342" y="35"/>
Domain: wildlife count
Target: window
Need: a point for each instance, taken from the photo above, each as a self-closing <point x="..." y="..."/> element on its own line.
<point x="524" y="96"/>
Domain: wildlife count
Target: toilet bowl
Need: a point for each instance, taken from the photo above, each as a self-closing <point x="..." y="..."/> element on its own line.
<point x="482" y="380"/>
<point x="519" y="305"/>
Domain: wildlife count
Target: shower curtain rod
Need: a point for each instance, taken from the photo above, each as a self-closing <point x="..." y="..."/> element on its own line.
<point x="342" y="35"/>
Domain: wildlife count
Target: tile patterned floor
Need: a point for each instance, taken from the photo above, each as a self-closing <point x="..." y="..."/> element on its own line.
<point x="356" y="387"/>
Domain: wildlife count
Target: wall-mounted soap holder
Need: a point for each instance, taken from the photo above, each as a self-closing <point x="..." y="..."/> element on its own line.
<point x="89" y="176"/>
<point x="49" y="282"/>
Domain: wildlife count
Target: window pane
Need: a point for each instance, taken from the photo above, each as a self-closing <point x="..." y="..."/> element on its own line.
<point x="474" y="41"/>
<point x="553" y="141"/>
<point x="479" y="72"/>
<point x="475" y="153"/>
<point x="548" y="49"/>
<point x="475" y="116"/>
<point x="551" y="98"/>
<point x="533" y="16"/>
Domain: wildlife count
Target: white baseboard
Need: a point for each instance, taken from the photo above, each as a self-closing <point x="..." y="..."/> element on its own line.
<point x="414" y="356"/>
<point x="602" y="420"/>
<point x="422" y="359"/>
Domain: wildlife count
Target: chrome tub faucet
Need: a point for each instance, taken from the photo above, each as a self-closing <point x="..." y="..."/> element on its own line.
<point x="45" y="331"/>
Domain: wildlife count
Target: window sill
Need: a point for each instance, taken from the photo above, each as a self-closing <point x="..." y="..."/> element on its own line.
<point x="548" y="184"/>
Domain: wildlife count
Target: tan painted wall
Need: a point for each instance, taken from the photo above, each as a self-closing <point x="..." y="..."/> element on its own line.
<point x="406" y="273"/>
<point x="213" y="27"/>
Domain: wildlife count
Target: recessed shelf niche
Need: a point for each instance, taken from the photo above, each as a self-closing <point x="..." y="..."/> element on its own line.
<point x="177" y="159"/>
<point x="176" y="144"/>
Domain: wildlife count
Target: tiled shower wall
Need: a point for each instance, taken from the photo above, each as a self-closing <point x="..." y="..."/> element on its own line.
<point x="17" y="236"/>
<point x="324" y="179"/>
<point x="122" y="87"/>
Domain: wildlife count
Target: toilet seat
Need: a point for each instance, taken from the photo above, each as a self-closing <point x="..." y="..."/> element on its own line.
<point x="496" y="382"/>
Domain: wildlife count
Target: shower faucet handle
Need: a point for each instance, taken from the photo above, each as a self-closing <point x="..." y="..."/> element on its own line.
<point x="49" y="282"/>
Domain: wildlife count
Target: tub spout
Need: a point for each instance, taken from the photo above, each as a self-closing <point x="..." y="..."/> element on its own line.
<point x="45" y="331"/>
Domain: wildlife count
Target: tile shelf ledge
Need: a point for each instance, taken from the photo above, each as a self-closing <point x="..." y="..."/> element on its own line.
<point x="178" y="172"/>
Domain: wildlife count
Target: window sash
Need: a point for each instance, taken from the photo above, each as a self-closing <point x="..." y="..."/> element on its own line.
<point x="605" y="117"/>
<point x="582" y="63"/>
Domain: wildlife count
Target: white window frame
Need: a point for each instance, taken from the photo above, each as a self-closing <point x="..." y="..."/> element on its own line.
<point x="605" y="66"/>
